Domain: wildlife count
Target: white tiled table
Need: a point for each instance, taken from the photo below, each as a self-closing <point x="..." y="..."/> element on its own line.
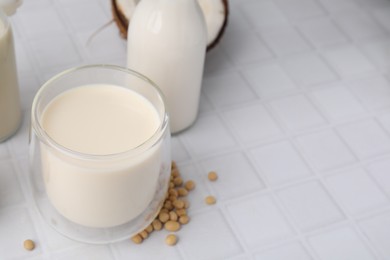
<point x="294" y="116"/>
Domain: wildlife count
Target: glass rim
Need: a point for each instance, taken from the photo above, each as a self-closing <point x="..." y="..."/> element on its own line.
<point x="44" y="137"/>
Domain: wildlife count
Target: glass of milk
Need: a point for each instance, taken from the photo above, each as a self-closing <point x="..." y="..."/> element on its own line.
<point x="99" y="153"/>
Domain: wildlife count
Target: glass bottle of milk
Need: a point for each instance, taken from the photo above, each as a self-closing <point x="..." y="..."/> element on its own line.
<point x="10" y="110"/>
<point x="167" y="43"/>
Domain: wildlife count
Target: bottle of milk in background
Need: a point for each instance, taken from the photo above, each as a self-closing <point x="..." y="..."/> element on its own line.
<point x="10" y="109"/>
<point x="167" y="43"/>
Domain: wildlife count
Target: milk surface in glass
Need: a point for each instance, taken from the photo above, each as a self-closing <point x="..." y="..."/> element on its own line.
<point x="100" y="120"/>
<point x="10" y="111"/>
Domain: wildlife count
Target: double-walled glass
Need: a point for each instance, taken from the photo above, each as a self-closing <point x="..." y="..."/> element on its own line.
<point x="99" y="198"/>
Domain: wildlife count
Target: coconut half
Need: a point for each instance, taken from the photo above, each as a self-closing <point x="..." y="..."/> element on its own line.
<point x="215" y="13"/>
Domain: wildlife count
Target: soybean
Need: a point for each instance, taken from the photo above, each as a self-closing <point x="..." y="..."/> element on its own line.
<point x="212" y="176"/>
<point x="173" y="216"/>
<point x="178" y="204"/>
<point x="172" y="226"/>
<point x="157" y="225"/>
<point x="178" y="181"/>
<point x="189" y="185"/>
<point x="210" y="200"/>
<point x="171" y="240"/>
<point x="163" y="217"/>
<point x="137" y="239"/>
<point x="144" y="234"/>
<point x="29" y="244"/>
<point x="182" y="192"/>
<point x="184" y="219"/>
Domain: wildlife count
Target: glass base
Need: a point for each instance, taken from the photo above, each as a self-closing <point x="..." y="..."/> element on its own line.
<point x="98" y="235"/>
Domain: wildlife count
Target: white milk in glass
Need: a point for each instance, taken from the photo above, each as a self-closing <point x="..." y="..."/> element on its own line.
<point x="100" y="120"/>
<point x="10" y="112"/>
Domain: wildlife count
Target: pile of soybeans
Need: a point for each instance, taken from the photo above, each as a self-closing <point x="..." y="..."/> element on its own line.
<point x="173" y="214"/>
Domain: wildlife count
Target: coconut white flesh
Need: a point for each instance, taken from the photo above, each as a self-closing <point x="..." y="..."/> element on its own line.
<point x="213" y="11"/>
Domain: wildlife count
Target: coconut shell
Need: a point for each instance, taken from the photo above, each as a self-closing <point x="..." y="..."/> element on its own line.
<point x="123" y="23"/>
<point x="120" y="20"/>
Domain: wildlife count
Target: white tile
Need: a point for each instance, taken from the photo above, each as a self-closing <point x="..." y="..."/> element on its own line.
<point x="18" y="144"/>
<point x="335" y="6"/>
<point x="322" y="32"/>
<point x="348" y="61"/>
<point x="241" y="257"/>
<point x="28" y="87"/>
<point x="40" y="3"/>
<point x="263" y="14"/>
<point x="293" y="251"/>
<point x="269" y="80"/>
<point x="280" y="163"/>
<point x="378" y="52"/>
<point x="297" y="113"/>
<point x="244" y="47"/>
<point x="227" y="89"/>
<point x="91" y="252"/>
<point x="16" y="226"/>
<point x="196" y="196"/>
<point x="54" y="240"/>
<point x="106" y="7"/>
<point x="4" y="154"/>
<point x="252" y="123"/>
<point x="40" y="21"/>
<point x="232" y="169"/>
<point x="41" y="257"/>
<point x="179" y="153"/>
<point x="204" y="104"/>
<point x="208" y="237"/>
<point x="356" y="191"/>
<point x="325" y="150"/>
<point x="10" y="190"/>
<point x="85" y="16"/>
<point x="309" y="69"/>
<point x="382" y="16"/>
<point x="67" y="3"/>
<point x="237" y="20"/>
<point x="216" y="61"/>
<point x="259" y="221"/>
<point x="365" y="138"/>
<point x="380" y="171"/>
<point x="23" y="58"/>
<point x="374" y="4"/>
<point x="207" y="135"/>
<point x="46" y="51"/>
<point x="377" y="229"/>
<point x="284" y="40"/>
<point x="337" y="102"/>
<point x="340" y="244"/>
<point x="103" y="46"/>
<point x="384" y="120"/>
<point x="310" y="205"/>
<point x="300" y="9"/>
<point x="153" y="247"/>
<point x="50" y="72"/>
<point x="359" y="25"/>
<point x="374" y="92"/>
